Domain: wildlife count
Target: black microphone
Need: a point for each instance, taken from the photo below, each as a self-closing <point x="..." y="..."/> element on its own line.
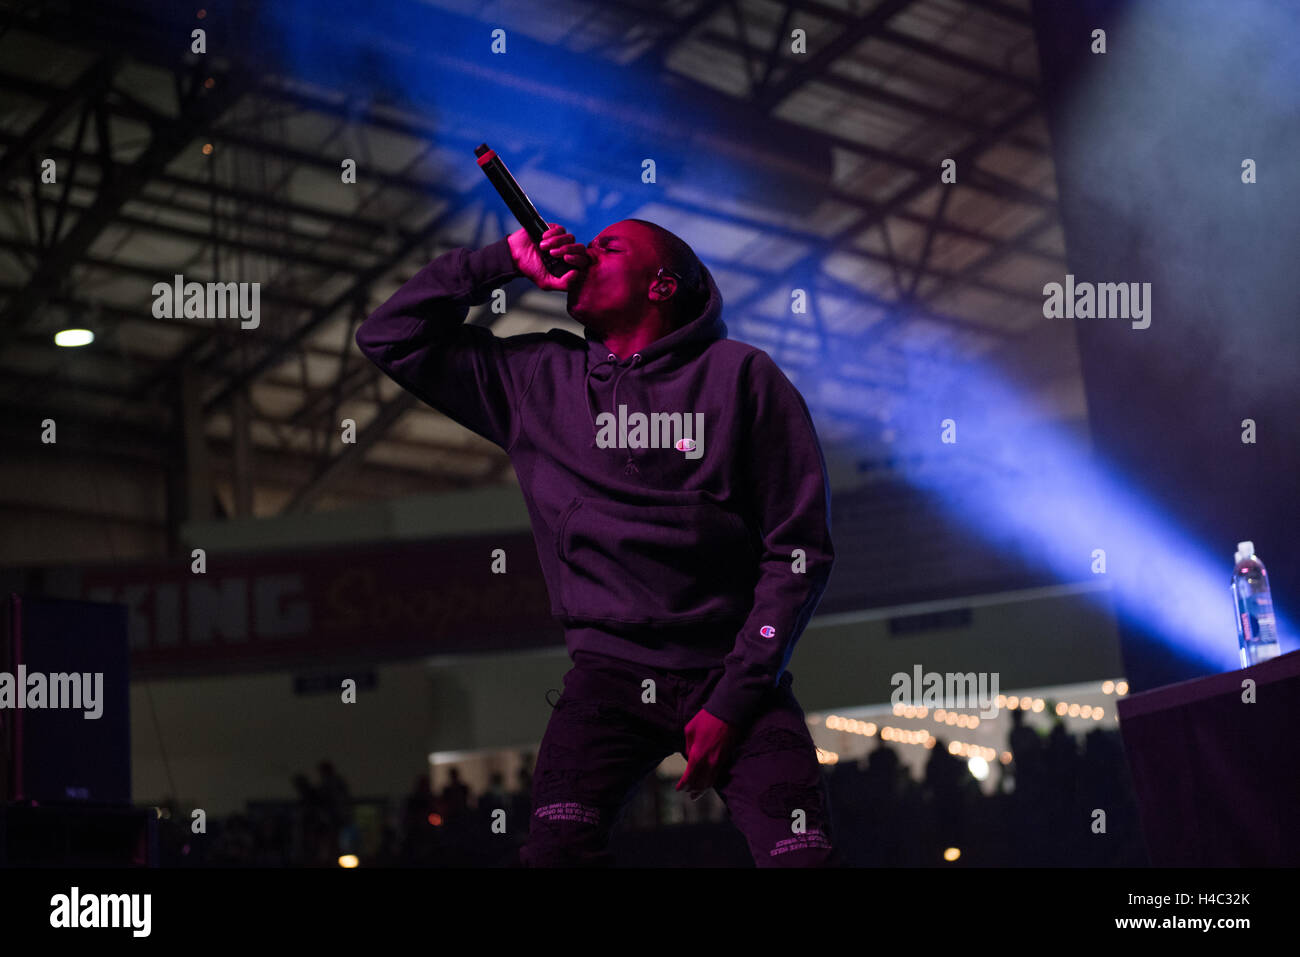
<point x="517" y="202"/>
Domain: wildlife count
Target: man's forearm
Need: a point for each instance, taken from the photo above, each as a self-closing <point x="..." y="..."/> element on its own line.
<point x="420" y="340"/>
<point x="784" y="603"/>
<point x="440" y="293"/>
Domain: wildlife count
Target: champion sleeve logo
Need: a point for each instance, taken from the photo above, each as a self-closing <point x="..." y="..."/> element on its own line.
<point x="767" y="631"/>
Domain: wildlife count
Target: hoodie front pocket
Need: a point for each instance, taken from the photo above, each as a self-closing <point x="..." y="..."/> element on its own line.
<point x="640" y="564"/>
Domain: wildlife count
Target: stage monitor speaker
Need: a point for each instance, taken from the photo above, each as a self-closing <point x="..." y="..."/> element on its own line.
<point x="64" y="702"/>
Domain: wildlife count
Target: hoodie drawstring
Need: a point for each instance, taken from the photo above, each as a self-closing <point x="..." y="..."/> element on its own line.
<point x="587" y="388"/>
<point x="630" y="467"/>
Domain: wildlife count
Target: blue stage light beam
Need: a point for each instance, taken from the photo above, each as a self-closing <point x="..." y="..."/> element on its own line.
<point x="1016" y="478"/>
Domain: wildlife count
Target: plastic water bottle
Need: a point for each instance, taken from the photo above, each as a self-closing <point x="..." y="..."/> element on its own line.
<point x="1256" y="628"/>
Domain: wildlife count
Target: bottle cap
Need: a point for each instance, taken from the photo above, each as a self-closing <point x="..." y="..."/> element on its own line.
<point x="1246" y="548"/>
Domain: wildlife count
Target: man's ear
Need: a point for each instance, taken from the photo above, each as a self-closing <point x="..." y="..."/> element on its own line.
<point x="663" y="288"/>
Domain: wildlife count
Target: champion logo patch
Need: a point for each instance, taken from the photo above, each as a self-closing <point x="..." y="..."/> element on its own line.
<point x="685" y="445"/>
<point x="767" y="631"/>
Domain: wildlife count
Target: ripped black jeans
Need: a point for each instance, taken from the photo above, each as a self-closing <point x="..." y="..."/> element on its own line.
<point x="602" y="740"/>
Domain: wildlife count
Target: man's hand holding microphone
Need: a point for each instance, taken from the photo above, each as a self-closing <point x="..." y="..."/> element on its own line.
<point x="559" y="244"/>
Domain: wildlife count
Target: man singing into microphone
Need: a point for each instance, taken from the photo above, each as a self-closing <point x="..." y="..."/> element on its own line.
<point x="680" y="507"/>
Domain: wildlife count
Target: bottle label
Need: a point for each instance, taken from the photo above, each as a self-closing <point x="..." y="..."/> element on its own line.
<point x="1256" y="613"/>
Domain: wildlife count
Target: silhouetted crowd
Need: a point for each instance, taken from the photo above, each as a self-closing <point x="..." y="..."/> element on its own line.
<point x="1059" y="803"/>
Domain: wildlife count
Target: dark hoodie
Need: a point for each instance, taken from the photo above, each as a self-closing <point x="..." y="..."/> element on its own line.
<point x="678" y="559"/>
